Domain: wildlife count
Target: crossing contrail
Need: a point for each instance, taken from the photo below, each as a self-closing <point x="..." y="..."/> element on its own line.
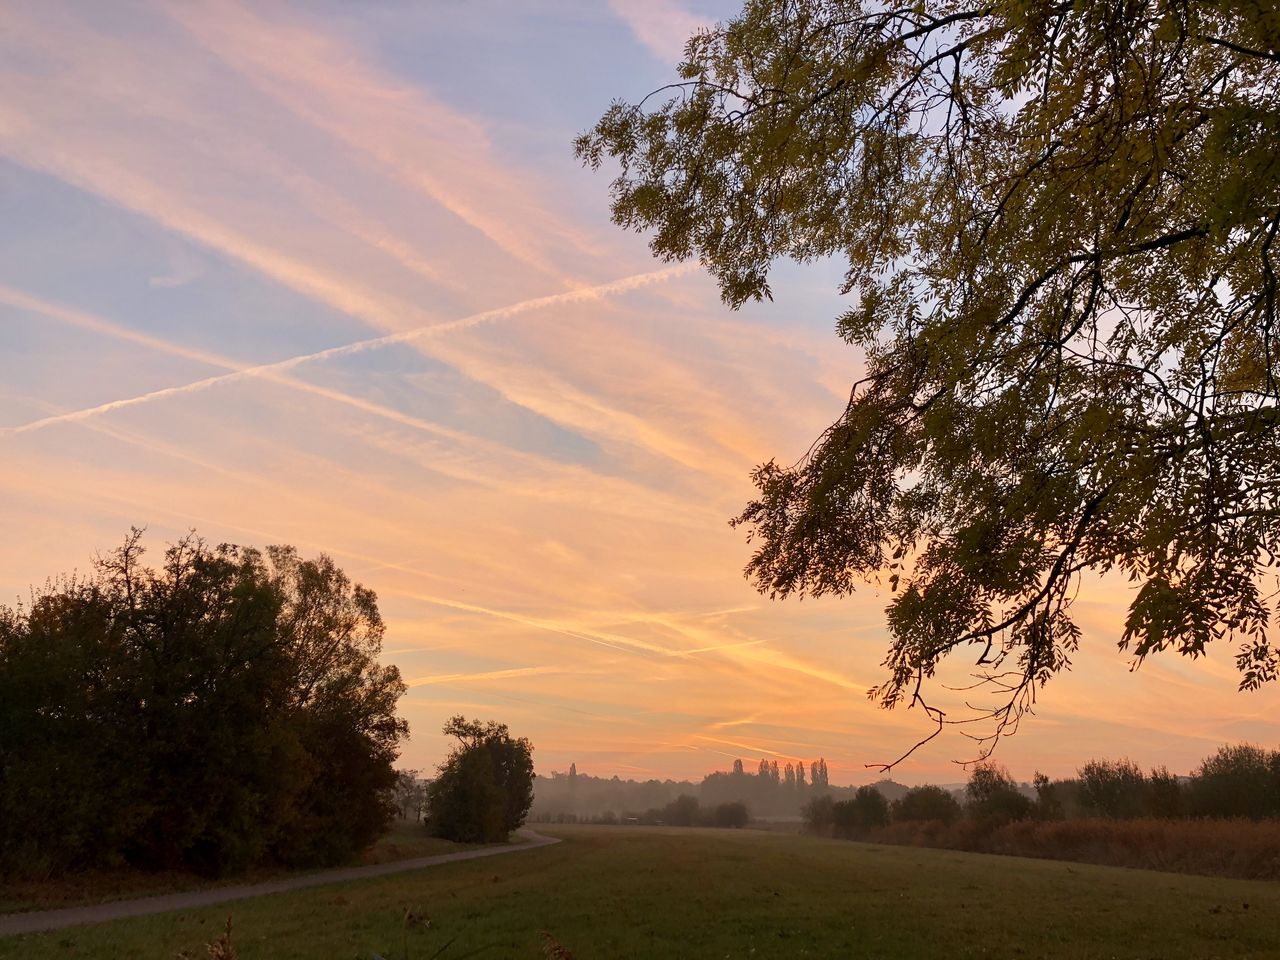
<point x="275" y="369"/>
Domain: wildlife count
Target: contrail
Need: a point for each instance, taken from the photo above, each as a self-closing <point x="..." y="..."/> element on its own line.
<point x="273" y="370"/>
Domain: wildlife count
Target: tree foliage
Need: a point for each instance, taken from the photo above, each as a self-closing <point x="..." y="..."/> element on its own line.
<point x="1240" y="780"/>
<point x="926" y="803"/>
<point x="484" y="789"/>
<point x="224" y="710"/>
<point x="992" y="797"/>
<point x="1113" y="788"/>
<point x="1059" y="222"/>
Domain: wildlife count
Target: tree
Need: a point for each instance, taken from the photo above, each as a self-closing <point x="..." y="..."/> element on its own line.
<point x="410" y="794"/>
<point x="1164" y="795"/>
<point x="733" y="814"/>
<point x="1113" y="788"/>
<point x="225" y="710"/>
<point x="1058" y="222"/>
<point x="993" y="798"/>
<point x="926" y="803"/>
<point x="484" y="789"/>
<point x="866" y="810"/>
<point x="1049" y="805"/>
<point x="681" y="812"/>
<point x="1240" y="780"/>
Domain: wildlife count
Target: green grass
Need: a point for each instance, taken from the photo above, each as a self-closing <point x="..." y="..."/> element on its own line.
<point x="653" y="892"/>
<point x="405" y="840"/>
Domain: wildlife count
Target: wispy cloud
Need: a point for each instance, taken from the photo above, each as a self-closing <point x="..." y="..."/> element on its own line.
<point x="275" y="369"/>
<point x="663" y="26"/>
<point x="225" y="188"/>
<point x="427" y="146"/>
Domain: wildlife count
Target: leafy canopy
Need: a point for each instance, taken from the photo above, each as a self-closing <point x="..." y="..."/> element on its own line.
<point x="484" y="789"/>
<point x="225" y="710"/>
<point x="1059" y="224"/>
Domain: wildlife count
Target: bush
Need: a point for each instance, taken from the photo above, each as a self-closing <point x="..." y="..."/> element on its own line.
<point x="925" y="803"/>
<point x="484" y="789"/>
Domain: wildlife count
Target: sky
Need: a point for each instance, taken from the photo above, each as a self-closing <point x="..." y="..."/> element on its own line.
<point x="329" y="274"/>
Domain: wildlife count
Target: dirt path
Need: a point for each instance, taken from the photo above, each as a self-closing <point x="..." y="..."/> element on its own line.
<point x="37" y="921"/>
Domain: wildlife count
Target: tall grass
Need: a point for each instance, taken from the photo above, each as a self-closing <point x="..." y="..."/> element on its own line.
<point x="1245" y="849"/>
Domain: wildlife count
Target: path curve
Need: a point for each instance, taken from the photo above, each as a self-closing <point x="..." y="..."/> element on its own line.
<point x="12" y="924"/>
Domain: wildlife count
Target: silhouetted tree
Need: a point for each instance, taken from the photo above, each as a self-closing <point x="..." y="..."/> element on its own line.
<point x="484" y="789"/>
<point x="993" y="796"/>
<point x="922" y="804"/>
<point x="737" y="766"/>
<point x="1048" y="805"/>
<point x="225" y="710"/>
<point x="732" y="814"/>
<point x="681" y="812"/>
<point x="819" y="815"/>
<point x="1241" y="780"/>
<point x="1113" y="788"/>
<point x="865" y="811"/>
<point x="1070" y="342"/>
<point x="410" y="794"/>
<point x="1164" y="795"/>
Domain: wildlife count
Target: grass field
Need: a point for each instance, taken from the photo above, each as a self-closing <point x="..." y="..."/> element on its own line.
<point x="653" y="892"/>
<point x="405" y="840"/>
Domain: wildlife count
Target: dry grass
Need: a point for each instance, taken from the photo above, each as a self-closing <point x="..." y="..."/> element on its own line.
<point x="1243" y="849"/>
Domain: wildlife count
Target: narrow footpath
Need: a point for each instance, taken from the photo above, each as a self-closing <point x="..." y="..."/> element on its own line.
<point x="12" y="924"/>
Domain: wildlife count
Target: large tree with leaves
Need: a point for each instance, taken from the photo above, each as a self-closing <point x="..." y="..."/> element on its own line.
<point x="484" y="789"/>
<point x="1059" y="223"/>
<point x="225" y="710"/>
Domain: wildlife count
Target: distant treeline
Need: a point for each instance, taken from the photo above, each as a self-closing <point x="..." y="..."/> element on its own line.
<point x="1223" y="819"/>
<point x="770" y="790"/>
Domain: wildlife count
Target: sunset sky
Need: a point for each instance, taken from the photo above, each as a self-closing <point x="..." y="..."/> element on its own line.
<point x="330" y="275"/>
